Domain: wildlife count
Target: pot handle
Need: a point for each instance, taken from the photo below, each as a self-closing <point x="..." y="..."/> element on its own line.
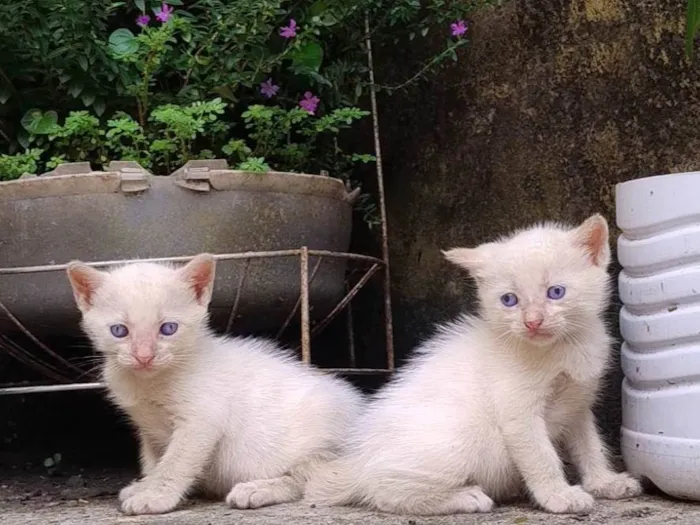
<point x="134" y="180"/>
<point x="351" y="197"/>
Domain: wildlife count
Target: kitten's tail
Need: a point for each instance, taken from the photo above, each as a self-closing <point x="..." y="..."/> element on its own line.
<point x="333" y="484"/>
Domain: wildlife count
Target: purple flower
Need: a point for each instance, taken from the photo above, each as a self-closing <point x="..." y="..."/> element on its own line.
<point x="143" y="20"/>
<point x="268" y="89"/>
<point x="309" y="103"/>
<point x="459" y="28"/>
<point x="289" y="31"/>
<point x="165" y="13"/>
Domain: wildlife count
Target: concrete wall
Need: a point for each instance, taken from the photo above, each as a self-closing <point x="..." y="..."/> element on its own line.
<point x="552" y="104"/>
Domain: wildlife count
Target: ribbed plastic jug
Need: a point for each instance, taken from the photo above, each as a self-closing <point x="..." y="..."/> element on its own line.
<point x="659" y="251"/>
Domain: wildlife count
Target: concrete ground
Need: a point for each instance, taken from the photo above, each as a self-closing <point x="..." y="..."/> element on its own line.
<point x="90" y="499"/>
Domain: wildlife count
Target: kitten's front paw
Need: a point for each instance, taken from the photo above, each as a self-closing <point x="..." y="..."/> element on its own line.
<point x="144" y="499"/>
<point x="572" y="500"/>
<point x="130" y="490"/>
<point x="615" y="486"/>
<point x="254" y="494"/>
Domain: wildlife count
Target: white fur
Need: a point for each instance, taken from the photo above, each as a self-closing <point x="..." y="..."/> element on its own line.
<point x="236" y="417"/>
<point x="476" y="415"/>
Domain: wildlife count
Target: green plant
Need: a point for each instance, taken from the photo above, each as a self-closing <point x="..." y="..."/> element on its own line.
<point x="269" y="84"/>
<point x="14" y="166"/>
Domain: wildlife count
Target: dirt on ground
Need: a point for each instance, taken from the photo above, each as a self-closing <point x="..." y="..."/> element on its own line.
<point x="88" y="497"/>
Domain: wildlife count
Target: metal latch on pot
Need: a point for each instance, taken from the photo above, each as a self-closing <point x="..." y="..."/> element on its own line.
<point x="194" y="178"/>
<point x="134" y="180"/>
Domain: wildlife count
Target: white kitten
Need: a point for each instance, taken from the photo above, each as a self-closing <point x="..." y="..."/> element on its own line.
<point x="476" y="415"/>
<point x="229" y="416"/>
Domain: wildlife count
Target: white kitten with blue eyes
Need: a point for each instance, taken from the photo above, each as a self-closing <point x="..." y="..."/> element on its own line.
<point x="477" y="415"/>
<point x="233" y="417"/>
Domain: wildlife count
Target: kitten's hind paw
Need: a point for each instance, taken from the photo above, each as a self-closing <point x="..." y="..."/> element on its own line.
<point x="572" y="500"/>
<point x="614" y="486"/>
<point x="148" y="500"/>
<point x="263" y="492"/>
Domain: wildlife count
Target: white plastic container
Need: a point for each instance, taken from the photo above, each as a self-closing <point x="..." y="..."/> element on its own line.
<point x="659" y="251"/>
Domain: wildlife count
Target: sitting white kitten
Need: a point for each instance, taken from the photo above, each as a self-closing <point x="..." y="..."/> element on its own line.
<point x="475" y="416"/>
<point x="229" y="416"/>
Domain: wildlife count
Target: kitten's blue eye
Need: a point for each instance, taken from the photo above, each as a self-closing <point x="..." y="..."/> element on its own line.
<point x="168" y="328"/>
<point x="556" y="292"/>
<point x="509" y="299"/>
<point x="119" y="330"/>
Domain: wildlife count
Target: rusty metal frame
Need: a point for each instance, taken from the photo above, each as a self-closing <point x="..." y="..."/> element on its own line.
<point x="56" y="367"/>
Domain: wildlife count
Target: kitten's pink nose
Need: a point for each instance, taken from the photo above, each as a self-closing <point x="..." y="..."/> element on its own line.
<point x="532" y="326"/>
<point x="144" y="360"/>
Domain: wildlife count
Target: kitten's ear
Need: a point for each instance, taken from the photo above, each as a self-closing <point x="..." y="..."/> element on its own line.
<point x="593" y="236"/>
<point x="85" y="280"/>
<point x="199" y="275"/>
<point x="471" y="259"/>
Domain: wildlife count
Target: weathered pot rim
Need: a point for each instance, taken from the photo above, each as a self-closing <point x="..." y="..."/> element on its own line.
<point x="199" y="176"/>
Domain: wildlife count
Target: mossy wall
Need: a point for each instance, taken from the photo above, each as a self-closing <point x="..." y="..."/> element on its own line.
<point x="551" y="105"/>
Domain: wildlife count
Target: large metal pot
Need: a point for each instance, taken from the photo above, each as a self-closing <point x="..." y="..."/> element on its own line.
<point x="126" y="213"/>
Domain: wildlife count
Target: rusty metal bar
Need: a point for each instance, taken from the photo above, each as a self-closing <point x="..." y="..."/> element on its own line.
<point x="26" y="358"/>
<point x="348" y="297"/>
<point x="349" y="256"/>
<point x="41" y="389"/>
<point x="185" y="258"/>
<point x="36" y="341"/>
<point x="357" y="371"/>
<point x="234" y="308"/>
<point x="389" y="327"/>
<point x="182" y="258"/>
<point x="305" y="317"/>
<point x="351" y="332"/>
<point x="296" y="305"/>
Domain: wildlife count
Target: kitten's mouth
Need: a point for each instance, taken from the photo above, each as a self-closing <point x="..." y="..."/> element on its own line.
<point x="142" y="367"/>
<point x="540" y="335"/>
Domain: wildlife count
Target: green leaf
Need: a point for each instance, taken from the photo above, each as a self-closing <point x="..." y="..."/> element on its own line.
<point x="23" y="138"/>
<point x="38" y="123"/>
<point x="141" y="5"/>
<point x="48" y="463"/>
<point x="82" y="61"/>
<point x="75" y="90"/>
<point x="122" y="42"/>
<point x="88" y="99"/>
<point x="424" y="31"/>
<point x="307" y="58"/>
<point x="358" y="90"/>
<point x="99" y="107"/>
<point x="5" y="94"/>
<point x="173" y="2"/>
<point x="692" y="22"/>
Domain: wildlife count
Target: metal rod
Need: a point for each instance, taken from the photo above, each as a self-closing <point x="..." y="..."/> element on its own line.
<point x="349" y="256"/>
<point x="351" y="332"/>
<point x="26" y="358"/>
<point x="389" y="327"/>
<point x="234" y="308"/>
<point x="345" y="300"/>
<point x="305" y="334"/>
<point x="36" y="341"/>
<point x="298" y="303"/>
<point x="357" y="371"/>
<point x="185" y="258"/>
<point x="42" y="389"/>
